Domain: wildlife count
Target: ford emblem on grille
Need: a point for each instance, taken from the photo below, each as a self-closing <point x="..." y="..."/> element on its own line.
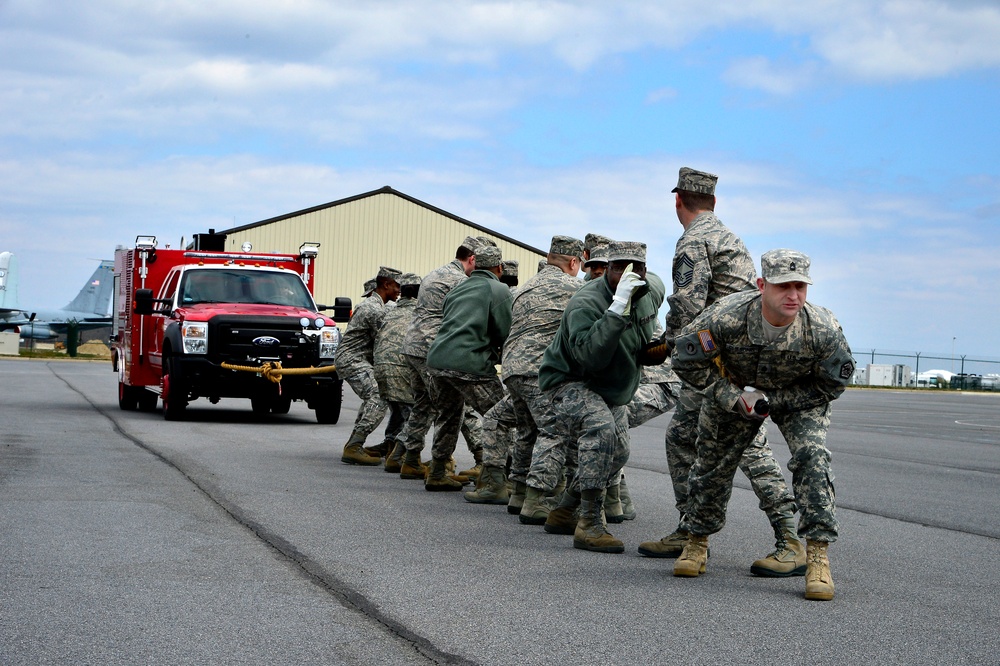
<point x="266" y="341"/>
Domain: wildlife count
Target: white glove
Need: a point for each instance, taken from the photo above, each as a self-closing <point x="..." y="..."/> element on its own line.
<point x="752" y="405"/>
<point x="621" y="304"/>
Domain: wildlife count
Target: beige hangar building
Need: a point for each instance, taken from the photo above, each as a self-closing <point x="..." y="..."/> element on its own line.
<point x="383" y="227"/>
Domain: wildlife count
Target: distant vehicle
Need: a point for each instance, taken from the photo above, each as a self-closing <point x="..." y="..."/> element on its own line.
<point x="205" y="323"/>
<point x="934" y="378"/>
<point x="90" y="309"/>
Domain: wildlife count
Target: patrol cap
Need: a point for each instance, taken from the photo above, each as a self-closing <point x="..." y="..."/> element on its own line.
<point x="407" y="279"/>
<point x="598" y="255"/>
<point x="780" y="266"/>
<point x="566" y="245"/>
<point x="471" y="243"/>
<point x="627" y="251"/>
<point x="483" y="240"/>
<point x="509" y="267"/>
<point x="386" y="272"/>
<point x="488" y="257"/>
<point x="369" y="286"/>
<point x="590" y="241"/>
<point x="542" y="263"/>
<point x="699" y="182"/>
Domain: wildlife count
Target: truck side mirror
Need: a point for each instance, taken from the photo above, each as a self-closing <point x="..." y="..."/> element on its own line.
<point x="143" y="302"/>
<point x="341" y="309"/>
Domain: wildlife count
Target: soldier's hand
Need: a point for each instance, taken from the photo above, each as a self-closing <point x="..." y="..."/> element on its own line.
<point x="752" y="405"/>
<point x="629" y="282"/>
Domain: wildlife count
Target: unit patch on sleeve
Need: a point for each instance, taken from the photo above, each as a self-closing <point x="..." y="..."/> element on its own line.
<point x="683" y="270"/>
<point x="846" y="370"/>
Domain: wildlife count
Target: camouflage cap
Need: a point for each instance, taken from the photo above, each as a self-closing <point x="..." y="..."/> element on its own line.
<point x="483" y="240"/>
<point x="488" y="257"/>
<point x="510" y="267"/>
<point x="407" y="279"/>
<point x="598" y="255"/>
<point x="386" y="272"/>
<point x="471" y="243"/>
<point x="369" y="286"/>
<point x="780" y="266"/>
<point x="542" y="264"/>
<point x="698" y="182"/>
<point x="566" y="245"/>
<point x="590" y="241"/>
<point x="627" y="251"/>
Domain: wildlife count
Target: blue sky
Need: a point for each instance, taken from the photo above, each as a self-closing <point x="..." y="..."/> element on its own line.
<point x="861" y="132"/>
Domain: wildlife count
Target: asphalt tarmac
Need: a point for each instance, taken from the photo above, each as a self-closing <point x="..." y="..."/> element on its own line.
<point x="127" y="539"/>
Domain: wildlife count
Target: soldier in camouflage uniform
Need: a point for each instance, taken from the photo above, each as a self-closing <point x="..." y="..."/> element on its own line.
<point x="711" y="262"/>
<point x="755" y="355"/>
<point x="392" y="373"/>
<point x="537" y="309"/>
<point x="463" y="357"/>
<point x="354" y="359"/>
<point x="590" y="371"/>
<point x="593" y="265"/>
<point x="424" y="326"/>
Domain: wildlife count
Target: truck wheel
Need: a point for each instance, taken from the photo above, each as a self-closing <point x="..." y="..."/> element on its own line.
<point x="147" y="400"/>
<point x="174" y="395"/>
<point x="328" y="407"/>
<point x="127" y="398"/>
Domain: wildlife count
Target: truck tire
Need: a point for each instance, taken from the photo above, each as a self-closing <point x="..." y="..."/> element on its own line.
<point x="128" y="399"/>
<point x="174" y="393"/>
<point x="328" y="407"/>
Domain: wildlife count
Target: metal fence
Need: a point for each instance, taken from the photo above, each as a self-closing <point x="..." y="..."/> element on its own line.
<point x="969" y="372"/>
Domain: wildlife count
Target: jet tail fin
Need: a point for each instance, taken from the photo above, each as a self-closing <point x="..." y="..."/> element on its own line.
<point x="95" y="296"/>
<point x="8" y="281"/>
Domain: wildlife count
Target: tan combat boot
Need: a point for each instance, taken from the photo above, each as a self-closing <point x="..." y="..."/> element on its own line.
<point x="692" y="560"/>
<point x="613" y="505"/>
<point x="492" y="488"/>
<point x="819" y="580"/>
<point x="533" y="511"/>
<point x="412" y="468"/>
<point x="562" y="519"/>
<point x="355" y="455"/>
<point x="517" y="498"/>
<point x="789" y="556"/>
<point x="591" y="532"/>
<point x="669" y="546"/>
<point x="628" y="508"/>
<point x="379" y="451"/>
<point x="477" y="469"/>
<point x="438" y="479"/>
<point x="394" y="461"/>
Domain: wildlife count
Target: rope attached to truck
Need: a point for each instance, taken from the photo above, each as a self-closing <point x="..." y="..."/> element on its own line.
<point x="272" y="370"/>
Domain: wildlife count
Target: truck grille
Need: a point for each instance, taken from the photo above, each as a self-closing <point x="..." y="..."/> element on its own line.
<point x="238" y="338"/>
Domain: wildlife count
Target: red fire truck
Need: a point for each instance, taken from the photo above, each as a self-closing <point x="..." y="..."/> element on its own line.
<point x="205" y="323"/>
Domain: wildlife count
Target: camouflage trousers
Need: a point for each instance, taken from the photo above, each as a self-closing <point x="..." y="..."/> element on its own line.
<point x="498" y="431"/>
<point x="596" y="430"/>
<point x="723" y="437"/>
<point x="399" y="412"/>
<point x="452" y="395"/>
<point x="649" y="401"/>
<point x="424" y="412"/>
<point x="545" y="470"/>
<point x="373" y="407"/>
<point x="757" y="462"/>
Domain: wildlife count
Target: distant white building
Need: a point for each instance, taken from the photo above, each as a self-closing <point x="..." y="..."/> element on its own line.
<point x="884" y="374"/>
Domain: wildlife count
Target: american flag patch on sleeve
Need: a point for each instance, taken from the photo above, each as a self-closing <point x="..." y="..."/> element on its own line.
<point x="707" y="343"/>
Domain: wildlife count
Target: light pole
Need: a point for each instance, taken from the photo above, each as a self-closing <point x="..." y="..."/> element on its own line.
<point x="953" y="355"/>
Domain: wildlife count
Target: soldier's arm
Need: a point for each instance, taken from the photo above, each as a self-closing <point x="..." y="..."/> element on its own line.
<point x="593" y="336"/>
<point x="694" y="356"/>
<point x="692" y="277"/>
<point x="828" y="379"/>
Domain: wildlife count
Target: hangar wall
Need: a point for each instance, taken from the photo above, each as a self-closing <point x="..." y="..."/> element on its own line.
<point x="380" y="228"/>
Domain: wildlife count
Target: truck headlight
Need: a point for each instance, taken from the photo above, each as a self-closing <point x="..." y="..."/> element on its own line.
<point x="329" y="340"/>
<point x="195" y="337"/>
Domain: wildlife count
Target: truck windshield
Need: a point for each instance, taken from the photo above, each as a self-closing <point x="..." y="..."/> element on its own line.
<point x="244" y="286"/>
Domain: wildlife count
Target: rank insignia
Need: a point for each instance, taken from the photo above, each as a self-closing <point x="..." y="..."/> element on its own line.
<point x="683" y="270"/>
<point x="705" y="338"/>
<point x="846" y="370"/>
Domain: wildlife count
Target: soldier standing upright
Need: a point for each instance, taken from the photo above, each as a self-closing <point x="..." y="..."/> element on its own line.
<point x="754" y="355"/>
<point x="711" y="262"/>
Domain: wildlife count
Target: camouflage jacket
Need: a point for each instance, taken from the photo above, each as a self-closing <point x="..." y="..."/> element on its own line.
<point x="392" y="373"/>
<point x="710" y="262"/>
<point x="538" y="307"/>
<point x="430" y="307"/>
<point x="357" y="346"/>
<point x="474" y="326"/>
<point x="601" y="348"/>
<point x="724" y="350"/>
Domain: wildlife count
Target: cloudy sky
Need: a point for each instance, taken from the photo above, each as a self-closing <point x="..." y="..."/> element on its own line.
<point x="862" y="132"/>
